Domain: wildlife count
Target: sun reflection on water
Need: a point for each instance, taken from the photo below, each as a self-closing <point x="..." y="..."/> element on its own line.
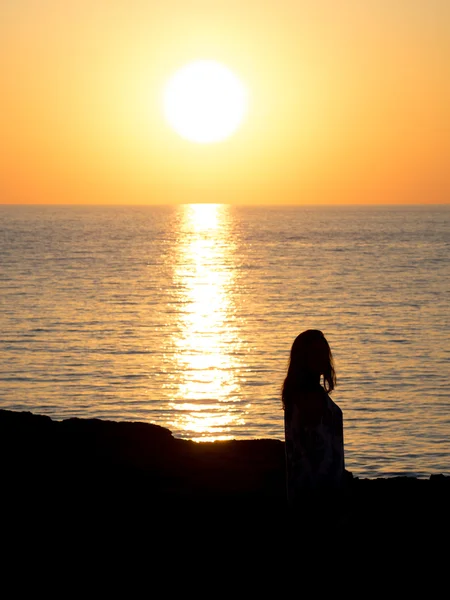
<point x="206" y="404"/>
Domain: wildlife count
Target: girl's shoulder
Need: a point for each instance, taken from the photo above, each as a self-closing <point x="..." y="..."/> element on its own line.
<point x="310" y="406"/>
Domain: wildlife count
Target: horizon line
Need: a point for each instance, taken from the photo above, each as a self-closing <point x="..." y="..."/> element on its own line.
<point x="243" y="205"/>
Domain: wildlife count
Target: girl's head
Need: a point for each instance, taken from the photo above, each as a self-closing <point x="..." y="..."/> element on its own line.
<point x="311" y="358"/>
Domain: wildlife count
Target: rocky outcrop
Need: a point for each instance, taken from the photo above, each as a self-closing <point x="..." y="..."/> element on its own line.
<point x="116" y="471"/>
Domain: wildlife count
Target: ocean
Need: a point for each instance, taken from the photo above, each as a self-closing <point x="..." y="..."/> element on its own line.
<point x="184" y="316"/>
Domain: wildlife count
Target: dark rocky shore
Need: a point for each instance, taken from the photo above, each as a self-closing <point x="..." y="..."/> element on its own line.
<point x="94" y="471"/>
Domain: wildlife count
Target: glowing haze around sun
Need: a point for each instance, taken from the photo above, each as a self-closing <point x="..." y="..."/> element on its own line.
<point x="205" y="102"/>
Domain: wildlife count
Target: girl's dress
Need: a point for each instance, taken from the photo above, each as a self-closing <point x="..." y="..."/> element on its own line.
<point x="314" y="445"/>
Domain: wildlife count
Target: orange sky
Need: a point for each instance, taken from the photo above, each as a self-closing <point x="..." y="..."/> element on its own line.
<point x="349" y="101"/>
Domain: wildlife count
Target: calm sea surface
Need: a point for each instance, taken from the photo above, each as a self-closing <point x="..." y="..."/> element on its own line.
<point x="184" y="316"/>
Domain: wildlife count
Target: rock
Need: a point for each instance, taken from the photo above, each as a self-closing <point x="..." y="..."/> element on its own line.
<point x="90" y="470"/>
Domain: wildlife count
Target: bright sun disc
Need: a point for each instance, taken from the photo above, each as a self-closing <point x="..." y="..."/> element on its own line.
<point x="205" y="102"/>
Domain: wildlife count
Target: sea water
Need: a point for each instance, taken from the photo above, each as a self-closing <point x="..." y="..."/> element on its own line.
<point x="184" y="316"/>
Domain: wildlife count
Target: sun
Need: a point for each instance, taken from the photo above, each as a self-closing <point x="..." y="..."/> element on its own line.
<point x="205" y="102"/>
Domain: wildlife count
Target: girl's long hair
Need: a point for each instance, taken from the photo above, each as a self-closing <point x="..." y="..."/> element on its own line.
<point x="311" y="361"/>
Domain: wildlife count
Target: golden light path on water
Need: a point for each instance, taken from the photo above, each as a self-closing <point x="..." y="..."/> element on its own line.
<point x="207" y="346"/>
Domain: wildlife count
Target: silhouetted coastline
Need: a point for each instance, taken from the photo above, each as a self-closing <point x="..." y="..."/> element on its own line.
<point x="115" y="472"/>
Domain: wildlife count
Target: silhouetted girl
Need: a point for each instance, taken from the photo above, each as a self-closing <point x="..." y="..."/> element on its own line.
<point x="313" y="422"/>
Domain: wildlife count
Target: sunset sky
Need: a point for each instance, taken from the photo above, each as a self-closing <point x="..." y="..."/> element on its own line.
<point x="349" y="101"/>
